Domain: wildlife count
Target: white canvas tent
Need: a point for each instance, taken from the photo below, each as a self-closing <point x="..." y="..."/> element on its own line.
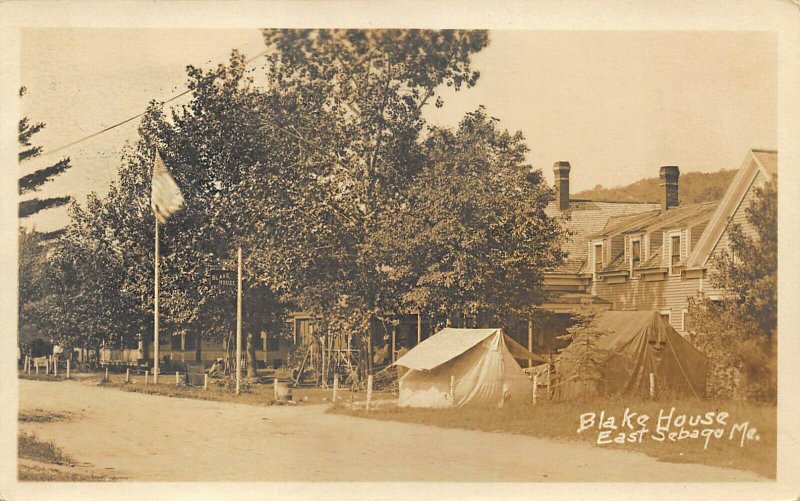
<point x="481" y="361"/>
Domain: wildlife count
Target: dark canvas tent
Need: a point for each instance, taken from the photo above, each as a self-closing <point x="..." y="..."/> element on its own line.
<point x="637" y="344"/>
<point x="480" y="361"/>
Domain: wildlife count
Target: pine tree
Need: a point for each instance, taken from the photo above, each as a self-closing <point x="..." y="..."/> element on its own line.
<point x="30" y="183"/>
<point x="583" y="357"/>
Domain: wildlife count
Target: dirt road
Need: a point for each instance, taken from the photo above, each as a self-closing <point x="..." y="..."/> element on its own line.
<point x="147" y="437"/>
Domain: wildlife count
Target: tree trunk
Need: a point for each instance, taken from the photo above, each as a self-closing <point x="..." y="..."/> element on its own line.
<point x="197" y="340"/>
<point x="251" y="354"/>
<point x="145" y="350"/>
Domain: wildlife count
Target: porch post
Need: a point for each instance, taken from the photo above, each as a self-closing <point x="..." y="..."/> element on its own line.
<point x="394" y="342"/>
<point x="419" y="327"/>
<point x="530" y="338"/>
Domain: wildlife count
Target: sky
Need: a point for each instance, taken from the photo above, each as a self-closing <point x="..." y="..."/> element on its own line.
<point x="616" y="104"/>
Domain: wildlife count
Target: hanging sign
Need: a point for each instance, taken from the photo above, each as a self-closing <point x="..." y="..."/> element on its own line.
<point x="223" y="278"/>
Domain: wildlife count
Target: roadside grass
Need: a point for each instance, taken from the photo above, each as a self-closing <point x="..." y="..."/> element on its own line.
<point x="42" y="377"/>
<point x="29" y="473"/>
<point x="255" y="394"/>
<point x="43" y="461"/>
<point x="42" y="416"/>
<point x="561" y="420"/>
<point x="30" y="447"/>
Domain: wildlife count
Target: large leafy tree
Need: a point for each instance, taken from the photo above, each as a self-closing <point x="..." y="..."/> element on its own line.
<point x="359" y="98"/>
<point x="306" y="175"/>
<point x="739" y="333"/>
<point x="472" y="239"/>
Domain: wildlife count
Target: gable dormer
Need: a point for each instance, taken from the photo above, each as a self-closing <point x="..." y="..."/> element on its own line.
<point x="597" y="257"/>
<point x="635" y="252"/>
<point x="674" y="250"/>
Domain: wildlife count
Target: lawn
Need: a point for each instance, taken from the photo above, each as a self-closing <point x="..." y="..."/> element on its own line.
<point x="561" y="420"/>
<point x="252" y="394"/>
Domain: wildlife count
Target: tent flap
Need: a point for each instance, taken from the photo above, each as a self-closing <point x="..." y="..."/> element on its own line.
<point x="445" y="345"/>
<point x="519" y="351"/>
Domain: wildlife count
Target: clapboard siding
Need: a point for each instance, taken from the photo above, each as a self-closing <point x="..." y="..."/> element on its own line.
<point x="696" y="232"/>
<point x="617" y="246"/>
<point x="672" y="294"/>
<point x="655" y="242"/>
<point x="739" y="217"/>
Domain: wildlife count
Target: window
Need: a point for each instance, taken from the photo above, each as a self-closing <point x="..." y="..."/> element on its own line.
<point x="598" y="258"/>
<point x="674" y="252"/>
<point x="272" y="342"/>
<point x="269" y="342"/>
<point x="665" y="314"/>
<point x="636" y="254"/>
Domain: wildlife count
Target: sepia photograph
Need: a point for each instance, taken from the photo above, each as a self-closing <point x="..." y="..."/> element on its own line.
<point x="342" y="255"/>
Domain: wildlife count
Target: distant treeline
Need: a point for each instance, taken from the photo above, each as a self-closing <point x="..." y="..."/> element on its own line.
<point x="695" y="187"/>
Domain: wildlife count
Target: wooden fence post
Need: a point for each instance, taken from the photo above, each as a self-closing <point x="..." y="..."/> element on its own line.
<point x="335" y="386"/>
<point x="205" y="381"/>
<point x="106" y="379"/>
<point x="275" y="389"/>
<point x="369" y="391"/>
<point x="177" y="378"/>
<point x="535" y="387"/>
<point x="68" y="361"/>
<point x="37" y="368"/>
<point x="146" y="373"/>
<point x="128" y="375"/>
<point x="55" y="366"/>
<point x="549" y="376"/>
<point x="453" y="391"/>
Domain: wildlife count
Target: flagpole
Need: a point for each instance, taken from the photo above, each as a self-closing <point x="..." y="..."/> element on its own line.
<point x="155" y="322"/>
<point x="239" y="322"/>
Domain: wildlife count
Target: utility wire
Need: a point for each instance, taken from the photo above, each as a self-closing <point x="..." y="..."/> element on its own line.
<point x="90" y="136"/>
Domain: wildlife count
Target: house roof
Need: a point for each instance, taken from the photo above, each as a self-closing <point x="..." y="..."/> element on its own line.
<point x="571" y="302"/>
<point x="656" y="220"/>
<point x="768" y="160"/>
<point x="716" y="214"/>
<point x="756" y="162"/>
<point x="589" y="220"/>
<point x="679" y="217"/>
<point x="586" y="218"/>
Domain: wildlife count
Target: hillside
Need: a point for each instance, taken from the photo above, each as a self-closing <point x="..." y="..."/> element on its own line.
<point x="695" y="187"/>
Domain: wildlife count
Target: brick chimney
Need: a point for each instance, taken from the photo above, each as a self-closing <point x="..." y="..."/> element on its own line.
<point x="561" y="171"/>
<point x="669" y="187"/>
